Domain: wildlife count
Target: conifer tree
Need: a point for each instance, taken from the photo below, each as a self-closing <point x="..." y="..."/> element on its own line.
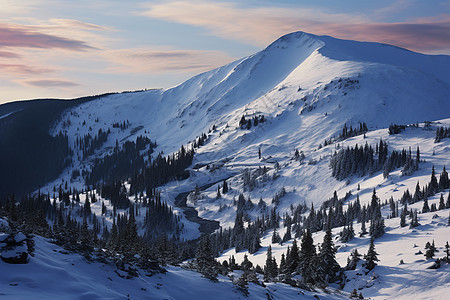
<point x="441" y="202"/>
<point x="371" y="256"/>
<point x="353" y="260"/>
<point x="218" y="196"/>
<point x="425" y="207"/>
<point x="444" y="181"/>
<point x="225" y="187"/>
<point x="327" y="266"/>
<point x="287" y="236"/>
<point x="275" y="237"/>
<point x="307" y="257"/>
<point x="414" y="220"/>
<point x="206" y="264"/>
<point x="431" y="249"/>
<point x="447" y="252"/>
<point x="271" y="268"/>
<point x="246" y="265"/>
<point x="292" y="257"/>
<point x="403" y="217"/>
<point x="363" y="228"/>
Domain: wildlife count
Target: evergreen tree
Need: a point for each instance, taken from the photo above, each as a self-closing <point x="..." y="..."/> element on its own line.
<point x="271" y="268"/>
<point x="431" y="249"/>
<point x="353" y="260"/>
<point x="441" y="202"/>
<point x="225" y="187"/>
<point x="327" y="266"/>
<point x="246" y="265"/>
<point x="307" y="257"/>
<point x="447" y="252"/>
<point x="206" y="264"/>
<point x="376" y="228"/>
<point x="444" y="181"/>
<point x="363" y="228"/>
<point x="414" y="220"/>
<point x="292" y="257"/>
<point x="287" y="236"/>
<point x="218" y="196"/>
<point x="425" y="207"/>
<point x="275" y="237"/>
<point x="371" y="256"/>
<point x="433" y="186"/>
<point x="403" y="217"/>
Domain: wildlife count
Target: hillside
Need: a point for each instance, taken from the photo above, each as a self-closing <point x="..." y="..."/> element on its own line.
<point x="290" y="139"/>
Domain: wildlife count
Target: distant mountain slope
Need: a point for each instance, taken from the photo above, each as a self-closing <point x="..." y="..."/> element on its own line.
<point x="296" y="82"/>
<point x="306" y="86"/>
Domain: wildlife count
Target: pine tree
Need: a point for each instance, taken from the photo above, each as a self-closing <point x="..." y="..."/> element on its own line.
<point x="307" y="257"/>
<point x="246" y="265"/>
<point x="414" y="220"/>
<point x="353" y="260"/>
<point x="431" y="249"/>
<point x="403" y="217"/>
<point x="425" y="207"/>
<point x="417" y="194"/>
<point x="218" y="196"/>
<point x="287" y="236"/>
<point x="433" y="186"/>
<point x="206" y="264"/>
<point x="225" y="187"/>
<point x="243" y="121"/>
<point x="444" y="181"/>
<point x="275" y="237"/>
<point x="363" y="228"/>
<point x="371" y="256"/>
<point x="441" y="202"/>
<point x="271" y="268"/>
<point x="376" y="228"/>
<point x="447" y="252"/>
<point x="327" y="266"/>
<point x="292" y="257"/>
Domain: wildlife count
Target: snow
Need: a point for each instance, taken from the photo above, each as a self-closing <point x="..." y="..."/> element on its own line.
<point x="19" y="237"/>
<point x="53" y="273"/>
<point x="307" y="87"/>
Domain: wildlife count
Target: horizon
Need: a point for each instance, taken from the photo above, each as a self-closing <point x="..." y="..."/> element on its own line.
<point x="69" y="50"/>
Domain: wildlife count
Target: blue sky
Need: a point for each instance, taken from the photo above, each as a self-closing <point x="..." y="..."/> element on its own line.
<point x="68" y="49"/>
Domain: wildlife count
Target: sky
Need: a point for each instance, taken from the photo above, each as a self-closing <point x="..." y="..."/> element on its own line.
<point x="67" y="49"/>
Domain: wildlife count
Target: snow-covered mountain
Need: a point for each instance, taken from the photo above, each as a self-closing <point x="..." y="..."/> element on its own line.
<point x="301" y="90"/>
<point x="307" y="87"/>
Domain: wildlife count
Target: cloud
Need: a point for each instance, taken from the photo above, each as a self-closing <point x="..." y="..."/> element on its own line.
<point x="79" y="24"/>
<point x="257" y="26"/>
<point x="260" y="26"/>
<point x="165" y="60"/>
<point x="45" y="83"/>
<point x="7" y="54"/>
<point x="426" y="37"/>
<point x="394" y="7"/>
<point x="14" y="35"/>
<point x="22" y="70"/>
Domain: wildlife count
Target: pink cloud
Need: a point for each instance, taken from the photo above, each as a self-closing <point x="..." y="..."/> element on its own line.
<point x="145" y="60"/>
<point x="22" y="69"/>
<point x="7" y="54"/>
<point x="262" y="25"/>
<point x="13" y="35"/>
<point x="45" y="83"/>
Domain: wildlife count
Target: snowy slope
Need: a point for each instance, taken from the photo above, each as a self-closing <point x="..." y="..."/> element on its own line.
<point x="306" y="86"/>
<point x="54" y="273"/>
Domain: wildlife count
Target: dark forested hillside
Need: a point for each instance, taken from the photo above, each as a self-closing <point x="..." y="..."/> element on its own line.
<point x="29" y="155"/>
